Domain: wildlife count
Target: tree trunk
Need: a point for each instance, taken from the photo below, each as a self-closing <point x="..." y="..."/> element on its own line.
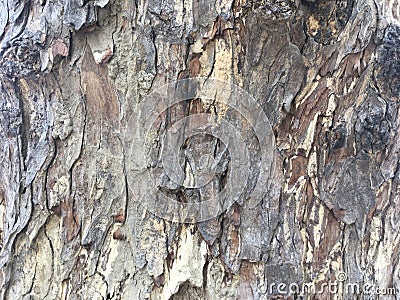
<point x="105" y="171"/>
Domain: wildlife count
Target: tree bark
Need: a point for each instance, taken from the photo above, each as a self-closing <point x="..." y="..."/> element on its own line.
<point x="73" y="223"/>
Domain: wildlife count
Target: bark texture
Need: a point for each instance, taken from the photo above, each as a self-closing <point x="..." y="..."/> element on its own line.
<point x="327" y="74"/>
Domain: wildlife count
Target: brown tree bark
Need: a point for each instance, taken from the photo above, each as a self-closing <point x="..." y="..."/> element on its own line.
<point x="73" y="73"/>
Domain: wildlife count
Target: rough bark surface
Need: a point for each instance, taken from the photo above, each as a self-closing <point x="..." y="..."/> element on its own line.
<point x="327" y="74"/>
